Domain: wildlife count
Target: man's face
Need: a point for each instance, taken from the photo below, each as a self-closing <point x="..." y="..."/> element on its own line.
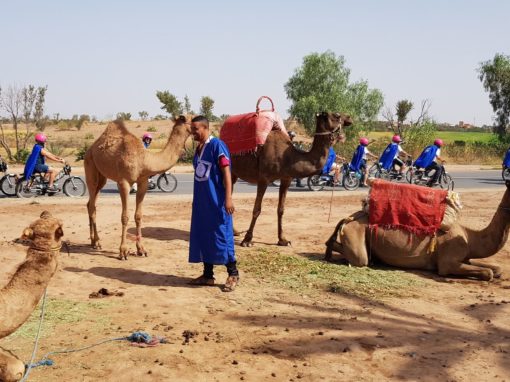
<point x="200" y="131"/>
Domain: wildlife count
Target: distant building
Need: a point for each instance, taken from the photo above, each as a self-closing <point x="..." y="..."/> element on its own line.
<point x="465" y="125"/>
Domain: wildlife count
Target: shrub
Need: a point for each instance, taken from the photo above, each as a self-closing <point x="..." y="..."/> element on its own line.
<point x="152" y="129"/>
<point x="56" y="147"/>
<point x="80" y="153"/>
<point x="89" y="136"/>
<point x="22" y="155"/>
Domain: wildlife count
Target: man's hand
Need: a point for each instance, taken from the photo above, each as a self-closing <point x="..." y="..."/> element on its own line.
<point x="229" y="206"/>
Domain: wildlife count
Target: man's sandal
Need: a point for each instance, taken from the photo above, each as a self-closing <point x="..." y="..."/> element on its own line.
<point x="231" y="283"/>
<point x="202" y="280"/>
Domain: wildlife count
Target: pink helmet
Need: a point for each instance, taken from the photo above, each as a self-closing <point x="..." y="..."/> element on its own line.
<point x="40" y="137"/>
<point x="363" y="141"/>
<point x="438" y="142"/>
<point x="147" y="136"/>
<point x="396" y="139"/>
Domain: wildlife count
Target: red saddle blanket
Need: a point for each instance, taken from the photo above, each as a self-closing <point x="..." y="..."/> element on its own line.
<point x="416" y="209"/>
<point x="245" y="132"/>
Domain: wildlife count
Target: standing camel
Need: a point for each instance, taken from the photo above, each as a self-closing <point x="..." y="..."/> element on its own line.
<point x="120" y="156"/>
<point x="279" y="159"/>
<point x="22" y="293"/>
<point x="455" y="253"/>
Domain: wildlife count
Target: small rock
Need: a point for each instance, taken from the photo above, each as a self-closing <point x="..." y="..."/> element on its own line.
<point x="234" y="362"/>
<point x="149" y="372"/>
<point x="181" y="351"/>
<point x="273" y="374"/>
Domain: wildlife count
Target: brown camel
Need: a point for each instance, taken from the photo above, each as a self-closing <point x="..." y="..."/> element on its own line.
<point x="120" y="156"/>
<point x="279" y="159"/>
<point x="455" y="252"/>
<point x="21" y="295"/>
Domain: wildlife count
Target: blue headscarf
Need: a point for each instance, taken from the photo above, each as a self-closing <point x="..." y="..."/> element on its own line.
<point x="386" y="159"/>
<point x="357" y="158"/>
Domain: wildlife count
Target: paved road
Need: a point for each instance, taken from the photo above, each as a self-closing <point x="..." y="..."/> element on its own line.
<point x="463" y="180"/>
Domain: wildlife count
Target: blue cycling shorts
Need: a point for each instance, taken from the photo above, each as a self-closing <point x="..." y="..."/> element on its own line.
<point x="41" y="168"/>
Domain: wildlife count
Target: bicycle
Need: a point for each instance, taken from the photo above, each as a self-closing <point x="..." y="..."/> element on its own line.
<point x="166" y="182"/>
<point x="417" y="176"/>
<point x="8" y="181"/>
<point x="505" y="174"/>
<point x="392" y="175"/>
<point x="73" y="186"/>
<point x="351" y="180"/>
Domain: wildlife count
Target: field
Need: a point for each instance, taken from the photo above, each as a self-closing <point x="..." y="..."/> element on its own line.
<point x="446" y="136"/>
<point x="293" y="317"/>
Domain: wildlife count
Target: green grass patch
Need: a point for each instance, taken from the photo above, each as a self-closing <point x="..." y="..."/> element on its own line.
<point x="61" y="312"/>
<point x="302" y="273"/>
<point x="446" y="136"/>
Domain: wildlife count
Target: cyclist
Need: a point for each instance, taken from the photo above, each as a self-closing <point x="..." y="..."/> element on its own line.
<point x="331" y="164"/>
<point x="297" y="145"/>
<point x="359" y="159"/>
<point x="429" y="158"/>
<point x="146" y="140"/>
<point x="36" y="162"/>
<point x="390" y="156"/>
<point x="506" y="159"/>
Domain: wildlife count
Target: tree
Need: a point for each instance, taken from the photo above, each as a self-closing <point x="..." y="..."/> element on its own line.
<point x="143" y="115"/>
<point x="124" y="116"/>
<point x="495" y="76"/>
<point x="403" y="108"/>
<point x="322" y="84"/>
<point x="206" y="107"/>
<point x="187" y="105"/>
<point x="170" y="103"/>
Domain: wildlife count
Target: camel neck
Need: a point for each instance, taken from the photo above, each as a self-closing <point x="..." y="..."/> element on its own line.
<point x="156" y="163"/>
<point x="491" y="239"/>
<point x="311" y="162"/>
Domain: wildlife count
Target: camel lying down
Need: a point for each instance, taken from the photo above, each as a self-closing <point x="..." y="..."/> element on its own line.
<point x="454" y="252"/>
<point x="21" y="295"/>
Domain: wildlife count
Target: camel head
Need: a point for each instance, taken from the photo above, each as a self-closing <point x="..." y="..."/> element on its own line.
<point x="45" y="233"/>
<point x="184" y="122"/>
<point x="332" y="123"/>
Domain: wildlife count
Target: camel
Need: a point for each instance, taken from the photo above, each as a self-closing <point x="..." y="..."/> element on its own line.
<point x="279" y="159"/>
<point x="22" y="293"/>
<point x="120" y="156"/>
<point x="455" y="252"/>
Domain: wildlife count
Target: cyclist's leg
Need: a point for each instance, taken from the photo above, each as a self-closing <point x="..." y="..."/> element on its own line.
<point x="364" y="171"/>
<point x="437" y="172"/>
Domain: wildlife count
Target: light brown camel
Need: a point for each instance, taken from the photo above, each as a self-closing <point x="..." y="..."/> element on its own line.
<point x="21" y="295"/>
<point x="279" y="159"/>
<point x="455" y="253"/>
<point x="120" y="156"/>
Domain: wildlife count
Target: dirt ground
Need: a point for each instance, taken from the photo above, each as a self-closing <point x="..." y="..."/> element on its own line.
<point x="450" y="330"/>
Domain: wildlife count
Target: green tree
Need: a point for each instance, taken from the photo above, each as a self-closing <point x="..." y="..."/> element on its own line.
<point x="321" y="83"/>
<point x="170" y="103"/>
<point x="187" y="105"/>
<point x="495" y="76"/>
<point x="124" y="116"/>
<point x="143" y="115"/>
<point x="206" y="107"/>
<point x="403" y="108"/>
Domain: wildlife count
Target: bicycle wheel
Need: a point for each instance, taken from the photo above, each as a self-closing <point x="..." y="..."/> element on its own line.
<point x="350" y="181"/>
<point x="447" y="182"/>
<point x="409" y="175"/>
<point x="276" y="182"/>
<point x="167" y="182"/>
<point x="372" y="170"/>
<point x="26" y="188"/>
<point x="74" y="187"/>
<point x="8" y="184"/>
<point x="315" y="183"/>
<point x="506" y="174"/>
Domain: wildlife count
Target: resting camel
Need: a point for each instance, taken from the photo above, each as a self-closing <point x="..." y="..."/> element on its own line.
<point x="120" y="156"/>
<point x="455" y="253"/>
<point x="279" y="159"/>
<point x="21" y="295"/>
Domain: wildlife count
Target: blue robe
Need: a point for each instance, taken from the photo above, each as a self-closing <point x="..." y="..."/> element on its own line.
<point x="33" y="159"/>
<point x="506" y="161"/>
<point x="211" y="234"/>
<point x="426" y="157"/>
<point x="329" y="162"/>
<point x="357" y="158"/>
<point x="386" y="159"/>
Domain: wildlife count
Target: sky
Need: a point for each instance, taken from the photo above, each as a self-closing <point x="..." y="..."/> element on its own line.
<point x="104" y="57"/>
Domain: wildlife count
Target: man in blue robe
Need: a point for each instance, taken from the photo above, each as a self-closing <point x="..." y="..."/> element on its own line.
<point x="211" y="234"/>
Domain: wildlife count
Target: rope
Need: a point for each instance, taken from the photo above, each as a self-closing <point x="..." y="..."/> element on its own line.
<point x="331" y="200"/>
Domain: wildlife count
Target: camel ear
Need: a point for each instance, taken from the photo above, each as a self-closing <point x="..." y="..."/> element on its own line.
<point x="59" y="233"/>
<point x="28" y="234"/>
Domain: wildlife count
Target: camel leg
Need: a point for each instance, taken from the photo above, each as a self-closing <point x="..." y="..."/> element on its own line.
<point x="353" y="248"/>
<point x="496" y="270"/>
<point x="284" y="186"/>
<point x="332" y="244"/>
<point x="446" y="268"/>
<point x="95" y="182"/>
<point x="11" y="368"/>
<point x="257" y="208"/>
<point x="234" y="180"/>
<point x="140" y="194"/>
<point x="124" y="188"/>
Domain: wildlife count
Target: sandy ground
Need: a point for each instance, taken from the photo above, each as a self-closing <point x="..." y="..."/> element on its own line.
<point x="453" y="330"/>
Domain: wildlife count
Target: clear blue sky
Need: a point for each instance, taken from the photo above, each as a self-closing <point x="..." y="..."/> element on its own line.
<point x="102" y="57"/>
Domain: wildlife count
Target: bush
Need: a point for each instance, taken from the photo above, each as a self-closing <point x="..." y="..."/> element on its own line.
<point x="80" y="153"/>
<point x="21" y="156"/>
<point x="56" y="147"/>
<point x="152" y="129"/>
<point x="89" y="136"/>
